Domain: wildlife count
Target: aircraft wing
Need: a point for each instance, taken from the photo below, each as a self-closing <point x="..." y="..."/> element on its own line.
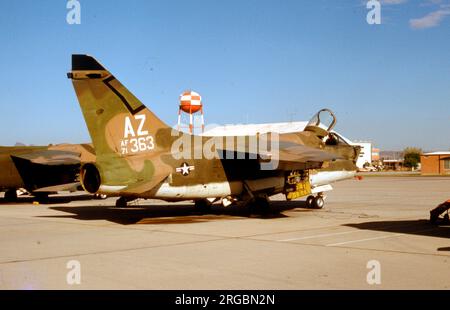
<point x="293" y="152"/>
<point x="285" y="154"/>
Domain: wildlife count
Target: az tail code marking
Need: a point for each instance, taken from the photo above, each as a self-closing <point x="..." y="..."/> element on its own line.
<point x="135" y="141"/>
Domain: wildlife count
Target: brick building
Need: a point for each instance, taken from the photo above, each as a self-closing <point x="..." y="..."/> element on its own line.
<point x="435" y="163"/>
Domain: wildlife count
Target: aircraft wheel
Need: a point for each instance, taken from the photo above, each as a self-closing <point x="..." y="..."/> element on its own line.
<point x="121" y="202"/>
<point x="41" y="197"/>
<point x="203" y="205"/>
<point x="11" y="195"/>
<point x="318" y="202"/>
<point x="261" y="205"/>
<point x="309" y="201"/>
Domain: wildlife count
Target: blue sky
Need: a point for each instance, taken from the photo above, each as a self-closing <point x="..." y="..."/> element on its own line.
<point x="252" y="61"/>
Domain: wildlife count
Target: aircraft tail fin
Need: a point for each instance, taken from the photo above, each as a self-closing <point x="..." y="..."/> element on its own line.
<point x="120" y="126"/>
<point x="117" y="121"/>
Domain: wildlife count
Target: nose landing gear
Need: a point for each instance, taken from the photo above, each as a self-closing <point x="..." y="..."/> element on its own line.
<point x="122" y="202"/>
<point x="317" y="202"/>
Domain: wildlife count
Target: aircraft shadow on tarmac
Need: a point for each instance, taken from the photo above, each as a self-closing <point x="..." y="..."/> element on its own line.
<point x="57" y="199"/>
<point x="413" y="227"/>
<point x="174" y="213"/>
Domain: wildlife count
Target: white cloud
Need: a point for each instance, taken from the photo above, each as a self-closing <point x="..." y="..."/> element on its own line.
<point x="432" y="19"/>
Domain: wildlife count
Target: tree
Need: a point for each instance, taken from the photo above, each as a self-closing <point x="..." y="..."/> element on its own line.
<point x="411" y="157"/>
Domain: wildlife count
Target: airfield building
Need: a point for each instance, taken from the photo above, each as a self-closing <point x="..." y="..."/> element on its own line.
<point x="436" y="163"/>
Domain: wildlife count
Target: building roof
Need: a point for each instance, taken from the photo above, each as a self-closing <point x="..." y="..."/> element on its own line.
<point x="436" y="153"/>
<point x="393" y="160"/>
<point x="253" y="129"/>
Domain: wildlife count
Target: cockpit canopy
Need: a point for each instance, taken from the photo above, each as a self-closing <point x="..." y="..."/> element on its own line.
<point x="322" y="123"/>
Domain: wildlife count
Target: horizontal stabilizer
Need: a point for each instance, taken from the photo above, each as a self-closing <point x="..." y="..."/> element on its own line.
<point x="59" y="188"/>
<point x="51" y="157"/>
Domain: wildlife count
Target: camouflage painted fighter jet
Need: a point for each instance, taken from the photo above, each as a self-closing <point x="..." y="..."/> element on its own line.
<point x="42" y="169"/>
<point x="139" y="156"/>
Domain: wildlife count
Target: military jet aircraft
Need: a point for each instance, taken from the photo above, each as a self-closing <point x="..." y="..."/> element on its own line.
<point x="42" y="169"/>
<point x="139" y="156"/>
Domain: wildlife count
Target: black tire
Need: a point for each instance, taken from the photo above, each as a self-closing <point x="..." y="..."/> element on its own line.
<point x="260" y="205"/>
<point x="309" y="201"/>
<point x="318" y="202"/>
<point x="203" y="205"/>
<point x="121" y="203"/>
<point x="11" y="195"/>
<point x="41" y="197"/>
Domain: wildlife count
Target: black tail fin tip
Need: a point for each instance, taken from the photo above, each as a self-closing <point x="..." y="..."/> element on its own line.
<point x="85" y="63"/>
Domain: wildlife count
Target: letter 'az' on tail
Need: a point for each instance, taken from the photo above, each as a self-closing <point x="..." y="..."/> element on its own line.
<point x="122" y="129"/>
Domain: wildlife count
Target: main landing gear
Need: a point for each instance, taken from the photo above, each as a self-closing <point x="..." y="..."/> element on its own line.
<point x="41" y="197"/>
<point x="11" y="195"/>
<point x="203" y="205"/>
<point x="259" y="205"/>
<point x="317" y="202"/>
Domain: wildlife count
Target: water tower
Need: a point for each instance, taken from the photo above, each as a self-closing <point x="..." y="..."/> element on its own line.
<point x="191" y="104"/>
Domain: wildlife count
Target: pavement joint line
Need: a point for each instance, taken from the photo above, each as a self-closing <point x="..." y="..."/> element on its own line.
<point x="215" y="240"/>
<point x="108" y="251"/>
<point x="377" y="238"/>
<point x="320" y="236"/>
<point x="16" y="224"/>
<point x="131" y="227"/>
<point x="324" y="228"/>
<point x="135" y="227"/>
<point x="366" y="239"/>
<point x="354" y="248"/>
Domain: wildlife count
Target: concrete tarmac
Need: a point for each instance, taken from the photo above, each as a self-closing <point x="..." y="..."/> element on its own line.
<point x="376" y="228"/>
